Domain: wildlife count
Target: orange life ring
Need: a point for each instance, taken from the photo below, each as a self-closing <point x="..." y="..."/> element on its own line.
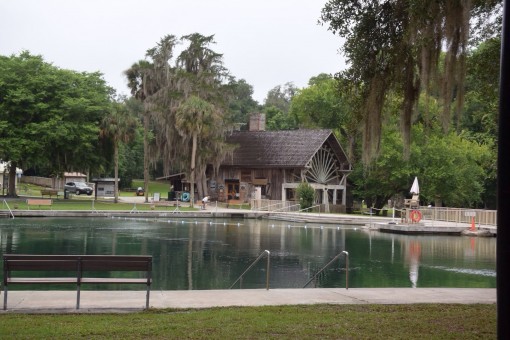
<point x="415" y="216"/>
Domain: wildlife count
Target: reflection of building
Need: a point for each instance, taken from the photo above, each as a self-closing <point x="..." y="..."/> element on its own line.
<point x="272" y="164"/>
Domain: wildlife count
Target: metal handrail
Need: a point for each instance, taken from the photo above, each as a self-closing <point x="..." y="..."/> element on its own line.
<point x="254" y="262"/>
<point x="313" y="206"/>
<point x="284" y="208"/>
<point x="9" y="208"/>
<point x="271" y="205"/>
<point x="330" y="262"/>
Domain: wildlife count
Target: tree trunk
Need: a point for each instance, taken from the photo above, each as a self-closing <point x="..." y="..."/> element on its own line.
<point x="116" y="161"/>
<point x="146" y="156"/>
<point x="201" y="186"/>
<point x="12" y="179"/>
<point x="192" y="172"/>
<point x="204" y="185"/>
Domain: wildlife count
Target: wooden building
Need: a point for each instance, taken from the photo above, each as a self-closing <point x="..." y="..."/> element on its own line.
<point x="271" y="164"/>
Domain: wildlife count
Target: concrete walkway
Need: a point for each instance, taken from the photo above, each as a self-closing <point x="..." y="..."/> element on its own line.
<point x="133" y="301"/>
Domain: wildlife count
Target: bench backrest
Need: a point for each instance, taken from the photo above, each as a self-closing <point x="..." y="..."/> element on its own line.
<point x="76" y="263"/>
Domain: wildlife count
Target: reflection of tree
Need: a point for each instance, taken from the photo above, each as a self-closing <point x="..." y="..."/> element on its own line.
<point x="190" y="257"/>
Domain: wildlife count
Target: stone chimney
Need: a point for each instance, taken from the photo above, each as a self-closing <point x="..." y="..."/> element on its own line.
<point x="257" y="122"/>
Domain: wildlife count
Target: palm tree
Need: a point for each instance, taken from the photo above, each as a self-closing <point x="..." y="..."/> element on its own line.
<point x="139" y="81"/>
<point x="174" y="92"/>
<point x="120" y="127"/>
<point x="149" y="81"/>
<point x="193" y="117"/>
<point x="201" y="74"/>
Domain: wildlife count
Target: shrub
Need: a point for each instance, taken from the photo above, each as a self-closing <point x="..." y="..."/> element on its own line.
<point x="306" y="195"/>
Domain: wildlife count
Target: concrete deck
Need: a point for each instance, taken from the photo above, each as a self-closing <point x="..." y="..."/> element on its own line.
<point x="133" y="301"/>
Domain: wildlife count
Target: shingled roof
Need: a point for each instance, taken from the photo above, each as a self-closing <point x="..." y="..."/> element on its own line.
<point x="281" y="149"/>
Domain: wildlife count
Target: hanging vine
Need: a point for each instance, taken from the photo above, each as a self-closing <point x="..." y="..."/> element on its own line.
<point x="396" y="45"/>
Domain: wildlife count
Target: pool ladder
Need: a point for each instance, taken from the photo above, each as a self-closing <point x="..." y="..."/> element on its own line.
<point x="9" y="208"/>
<point x="266" y="252"/>
<point x="240" y="278"/>
<point x="329" y="263"/>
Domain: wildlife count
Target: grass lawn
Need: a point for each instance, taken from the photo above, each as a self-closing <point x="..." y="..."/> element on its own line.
<point x="87" y="203"/>
<point x="84" y="202"/>
<point x="418" y="321"/>
<point x="161" y="187"/>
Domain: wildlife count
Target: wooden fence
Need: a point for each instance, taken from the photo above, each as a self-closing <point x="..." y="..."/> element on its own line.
<point x="40" y="181"/>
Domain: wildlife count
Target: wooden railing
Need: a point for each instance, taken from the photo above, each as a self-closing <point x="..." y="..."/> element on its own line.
<point x="460" y="215"/>
<point x="456" y="215"/>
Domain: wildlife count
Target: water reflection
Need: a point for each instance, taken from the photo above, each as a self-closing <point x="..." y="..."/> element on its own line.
<point x="211" y="254"/>
<point x="414" y="261"/>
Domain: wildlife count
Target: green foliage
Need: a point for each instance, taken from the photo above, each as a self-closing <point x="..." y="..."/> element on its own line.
<point x="49" y="117"/>
<point x="306" y="195"/>
<point x="280" y="96"/>
<point x="450" y="169"/>
<point x="329" y="103"/>
<point x="276" y="119"/>
<point x="131" y="154"/>
<point x="481" y="109"/>
<point x="241" y="103"/>
<point x="131" y="160"/>
<point x="319" y="105"/>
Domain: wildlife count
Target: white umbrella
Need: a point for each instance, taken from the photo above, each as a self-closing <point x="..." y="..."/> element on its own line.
<point x="415" y="189"/>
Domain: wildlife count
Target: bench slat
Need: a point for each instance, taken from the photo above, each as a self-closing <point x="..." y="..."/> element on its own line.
<point x="41" y="265"/>
<point x="76" y="257"/>
<point x="113" y="280"/>
<point x="42" y="280"/>
<point x="114" y="265"/>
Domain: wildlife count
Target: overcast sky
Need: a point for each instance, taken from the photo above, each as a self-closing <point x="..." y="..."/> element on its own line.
<point x="265" y="42"/>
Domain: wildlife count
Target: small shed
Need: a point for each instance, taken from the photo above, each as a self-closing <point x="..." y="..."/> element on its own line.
<point x="74" y="177"/>
<point x="104" y="187"/>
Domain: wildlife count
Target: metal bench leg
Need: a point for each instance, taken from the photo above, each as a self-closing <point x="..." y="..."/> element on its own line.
<point x="147" y="298"/>
<point x="5" y="297"/>
<point x="78" y="298"/>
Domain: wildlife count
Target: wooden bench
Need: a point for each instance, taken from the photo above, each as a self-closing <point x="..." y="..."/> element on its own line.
<point x="77" y="269"/>
<point x="39" y="202"/>
<point x="49" y="192"/>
